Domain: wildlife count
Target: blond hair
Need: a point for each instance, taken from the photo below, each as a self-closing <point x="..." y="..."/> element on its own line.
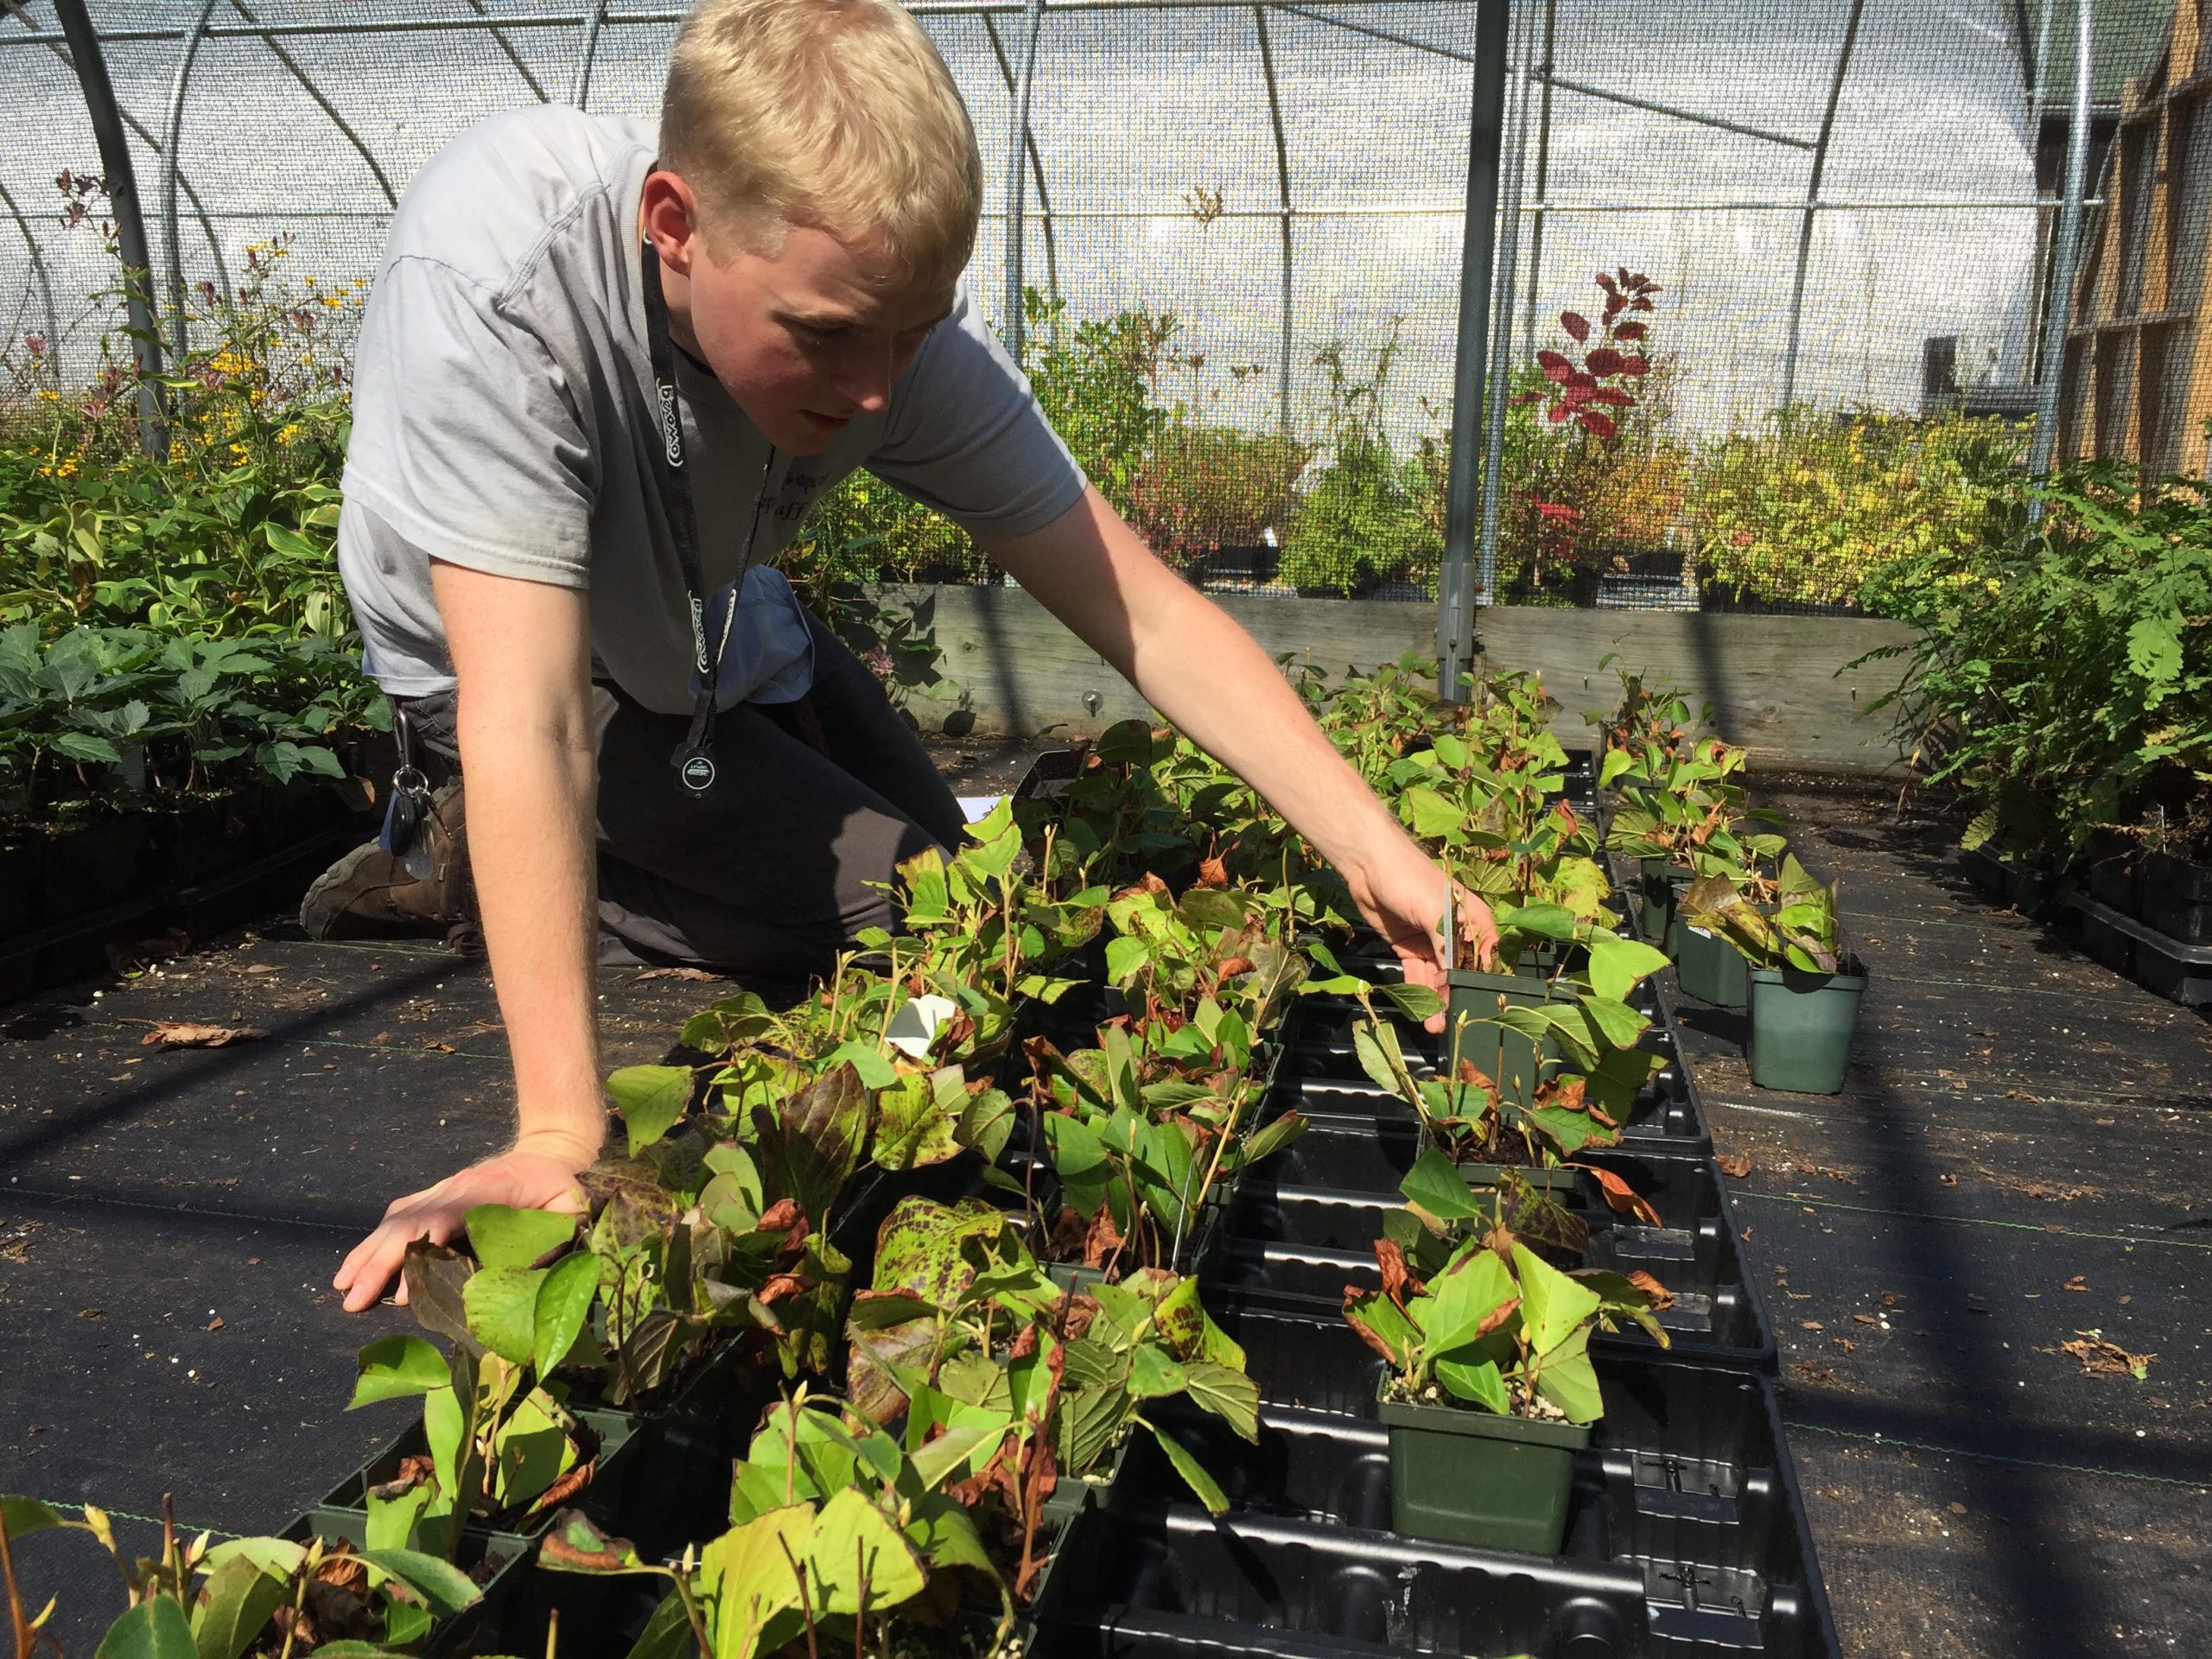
<point x="834" y="113"/>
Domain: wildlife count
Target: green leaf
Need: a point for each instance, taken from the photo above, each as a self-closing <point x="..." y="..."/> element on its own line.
<point x="502" y="1303"/>
<point x="391" y="1368"/>
<point x="1194" y="1475"/>
<point x="1618" y="1023"/>
<point x="651" y="1099"/>
<point x="22" y="1516"/>
<point x="153" y="1629"/>
<point x="1419" y="1003"/>
<point x="1462" y="1299"/>
<point x="238" y="1599"/>
<point x="1544" y="920"/>
<point x="1125" y="959"/>
<point x="505" y="1237"/>
<point x="1616" y="762"/>
<point x="1152" y="1374"/>
<point x="1616" y="964"/>
<point x="1430" y="815"/>
<point x="855" y="1548"/>
<point x="1553" y="1305"/>
<point x="2154" y="653"/>
<point x="563" y="1303"/>
<point x="1226" y="1392"/>
<point x="876" y="1070"/>
<point x="1480" y="1381"/>
<point x="1434" y="1185"/>
<point x="1565" y="1377"/>
<point x="443" y="1586"/>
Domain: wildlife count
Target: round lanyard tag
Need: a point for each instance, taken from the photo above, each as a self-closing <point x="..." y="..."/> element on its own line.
<point x="698" y="772"/>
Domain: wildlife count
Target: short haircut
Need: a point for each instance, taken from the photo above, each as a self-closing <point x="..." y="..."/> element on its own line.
<point x="834" y="113"/>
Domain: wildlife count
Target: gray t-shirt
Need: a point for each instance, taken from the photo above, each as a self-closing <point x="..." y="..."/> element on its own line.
<point x="503" y="408"/>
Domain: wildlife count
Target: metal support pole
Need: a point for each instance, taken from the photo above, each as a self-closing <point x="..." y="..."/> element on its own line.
<point x="1036" y="166"/>
<point x="1282" y="184"/>
<point x="1500" y="345"/>
<point x="39" y="272"/>
<point x="1016" y="176"/>
<point x="1455" y="616"/>
<point x="1543" y="175"/>
<point x="307" y="85"/>
<point x="173" y="133"/>
<point x="2060" y="313"/>
<point x="130" y="223"/>
<point x="580" y="89"/>
<point x="1813" y="195"/>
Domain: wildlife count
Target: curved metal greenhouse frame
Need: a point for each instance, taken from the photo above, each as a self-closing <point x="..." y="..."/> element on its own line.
<point x="1281" y="174"/>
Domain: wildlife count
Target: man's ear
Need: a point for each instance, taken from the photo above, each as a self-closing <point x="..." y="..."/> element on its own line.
<point x="669" y="214"/>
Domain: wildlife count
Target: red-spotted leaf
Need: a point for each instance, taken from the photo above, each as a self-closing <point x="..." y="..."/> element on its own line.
<point x="1575" y="396"/>
<point x="1593" y="422"/>
<point x="1559" y="412"/>
<point x="1612" y="395"/>
<point x="1605" y="283"/>
<point x="1632" y="331"/>
<point x="1635" y="367"/>
<point x="1640" y="303"/>
<point x="1534" y="394"/>
<point x="1604" y="361"/>
<point x="1576" y="324"/>
<point x="1554" y="365"/>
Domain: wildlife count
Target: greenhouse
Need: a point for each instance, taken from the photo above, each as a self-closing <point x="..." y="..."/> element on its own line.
<point x="1323" y="919"/>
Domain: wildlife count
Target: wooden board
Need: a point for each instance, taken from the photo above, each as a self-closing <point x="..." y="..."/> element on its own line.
<point x="1777" y="683"/>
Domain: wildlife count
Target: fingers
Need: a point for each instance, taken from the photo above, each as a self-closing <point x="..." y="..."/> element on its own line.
<point x="376" y="1261"/>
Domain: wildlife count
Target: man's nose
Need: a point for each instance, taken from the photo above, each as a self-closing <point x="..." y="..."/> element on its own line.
<point x="866" y="381"/>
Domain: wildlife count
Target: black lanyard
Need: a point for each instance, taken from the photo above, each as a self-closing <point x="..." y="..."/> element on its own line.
<point x="694" y="758"/>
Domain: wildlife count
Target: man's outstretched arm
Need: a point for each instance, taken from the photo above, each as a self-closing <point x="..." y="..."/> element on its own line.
<point x="1210" y="677"/>
<point x="521" y="653"/>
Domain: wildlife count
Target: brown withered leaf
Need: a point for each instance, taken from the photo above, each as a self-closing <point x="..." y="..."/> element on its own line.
<point x="567" y="1487"/>
<point x="2077" y="1282"/>
<point x="679" y="973"/>
<point x="215" y="1324"/>
<point x="1865" y="1319"/>
<point x="1947" y="1181"/>
<point x="1623" y="1198"/>
<point x="1810" y="1324"/>
<point x="2101" y="1358"/>
<point x="181" y="1033"/>
<point x="1212" y="873"/>
<point x="1735" y="1165"/>
<point x="1662" y="1298"/>
<point x="1396" y="1276"/>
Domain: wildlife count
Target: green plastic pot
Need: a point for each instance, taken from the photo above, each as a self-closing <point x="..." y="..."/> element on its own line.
<point x="1712" y="970"/>
<point x="1514" y="1059"/>
<point x="1072" y="1494"/>
<point x="1800" y="1028"/>
<point x="1461" y="1475"/>
<point x="1544" y="1181"/>
<point x="1664" y="882"/>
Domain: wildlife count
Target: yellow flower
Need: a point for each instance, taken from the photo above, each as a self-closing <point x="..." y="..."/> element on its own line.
<point x="49" y="394"/>
<point x="238" y="450"/>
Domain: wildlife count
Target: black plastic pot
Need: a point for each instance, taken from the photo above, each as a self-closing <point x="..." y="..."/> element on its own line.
<point x="1801" y="1025"/>
<point x="1662" y="885"/>
<point x="501" y="1563"/>
<point x="1460" y="1475"/>
<point x="603" y="1498"/>
<point x="2181" y="972"/>
<point x="205" y="841"/>
<point x="92" y="866"/>
<point x="1303" y="1226"/>
<point x="1686" y="1527"/>
<point x="2177" y="897"/>
<point x="1712" y="970"/>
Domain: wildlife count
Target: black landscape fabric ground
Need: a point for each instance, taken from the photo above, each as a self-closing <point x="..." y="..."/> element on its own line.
<point x="2019" y="1156"/>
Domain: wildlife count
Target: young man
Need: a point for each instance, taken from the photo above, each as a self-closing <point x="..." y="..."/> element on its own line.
<point x="602" y="375"/>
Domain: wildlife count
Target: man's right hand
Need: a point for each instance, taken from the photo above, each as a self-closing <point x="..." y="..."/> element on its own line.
<point x="538" y="1174"/>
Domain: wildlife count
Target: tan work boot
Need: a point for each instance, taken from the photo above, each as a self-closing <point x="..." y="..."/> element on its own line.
<point x="367" y="894"/>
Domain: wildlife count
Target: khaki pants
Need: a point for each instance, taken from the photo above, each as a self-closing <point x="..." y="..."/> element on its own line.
<point x="791" y="854"/>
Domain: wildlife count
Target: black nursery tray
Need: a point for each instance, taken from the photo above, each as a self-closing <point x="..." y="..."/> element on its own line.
<point x="1687" y="1533"/>
<point x="1302" y="1226"/>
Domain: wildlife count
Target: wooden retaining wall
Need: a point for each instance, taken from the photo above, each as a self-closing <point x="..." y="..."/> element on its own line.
<point x="1777" y="683"/>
